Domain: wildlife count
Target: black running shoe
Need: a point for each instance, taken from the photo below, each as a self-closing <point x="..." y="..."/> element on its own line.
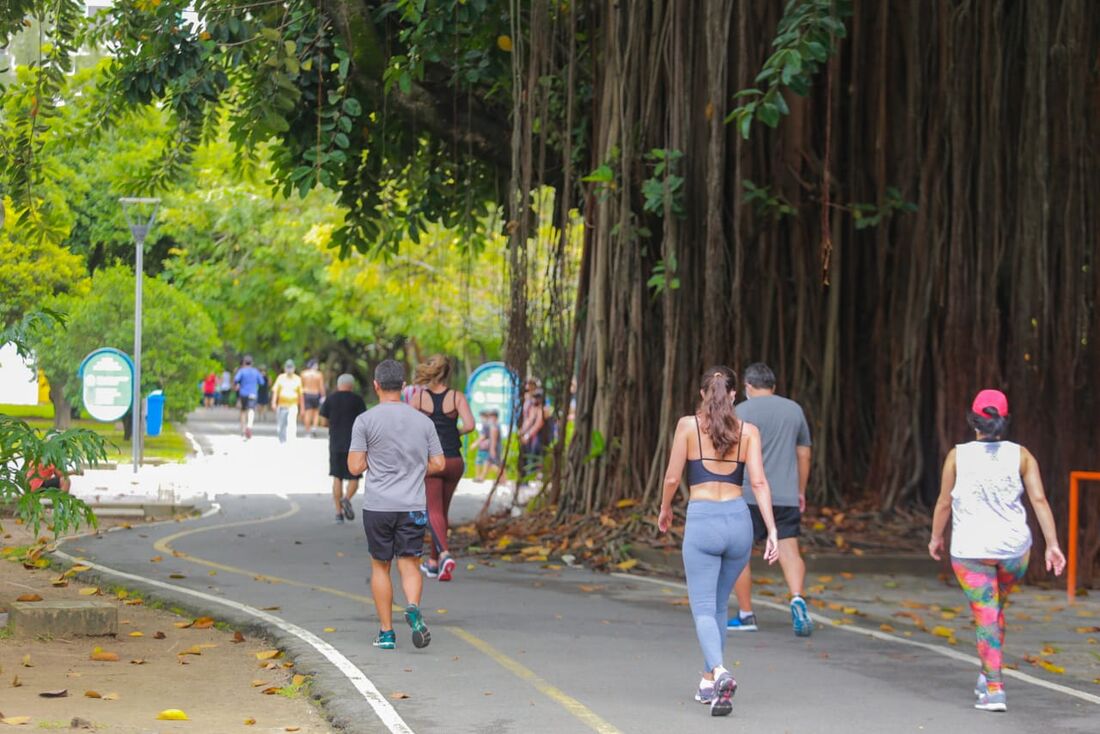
<point x="349" y="513"/>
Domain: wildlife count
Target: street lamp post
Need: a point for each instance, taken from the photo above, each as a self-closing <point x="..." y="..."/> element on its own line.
<point x="132" y="209"/>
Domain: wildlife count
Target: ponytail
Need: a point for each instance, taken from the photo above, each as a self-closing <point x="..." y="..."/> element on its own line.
<point x="719" y="419"/>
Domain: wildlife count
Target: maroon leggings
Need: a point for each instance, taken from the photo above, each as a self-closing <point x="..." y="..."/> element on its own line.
<point x="440" y="488"/>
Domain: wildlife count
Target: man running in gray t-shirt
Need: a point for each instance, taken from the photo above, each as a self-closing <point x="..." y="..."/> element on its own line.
<point x="785" y="440"/>
<point x="395" y="445"/>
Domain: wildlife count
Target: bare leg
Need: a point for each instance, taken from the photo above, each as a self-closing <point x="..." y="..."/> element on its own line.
<point x="742" y="588"/>
<point x="794" y="568"/>
<point x="411" y="581"/>
<point x="337" y="494"/>
<point x="381" y="588"/>
<point x="353" y="487"/>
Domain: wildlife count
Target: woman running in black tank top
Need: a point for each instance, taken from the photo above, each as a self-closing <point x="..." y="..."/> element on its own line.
<point x="445" y="407"/>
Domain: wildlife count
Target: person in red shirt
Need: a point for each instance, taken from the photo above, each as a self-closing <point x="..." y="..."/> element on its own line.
<point x="209" y="390"/>
<point x="47" y="477"/>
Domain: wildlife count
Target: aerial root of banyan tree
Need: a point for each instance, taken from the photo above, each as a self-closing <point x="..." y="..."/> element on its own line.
<point x="985" y="115"/>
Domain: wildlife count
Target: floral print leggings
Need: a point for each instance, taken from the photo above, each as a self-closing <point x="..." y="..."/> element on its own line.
<point x="986" y="584"/>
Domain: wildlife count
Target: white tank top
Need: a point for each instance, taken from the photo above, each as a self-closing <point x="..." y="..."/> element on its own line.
<point x="988" y="516"/>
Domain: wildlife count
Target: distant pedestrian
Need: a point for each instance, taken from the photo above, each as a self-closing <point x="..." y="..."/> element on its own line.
<point x="489" y="445"/>
<point x="531" y="434"/>
<point x="286" y="400"/>
<point x="396" y="445"/>
<point x="247" y="382"/>
<point x="264" y="399"/>
<point x="982" y="487"/>
<point x="446" y="408"/>
<point x="313" y="386"/>
<point x="718" y="532"/>
<point x="340" y="410"/>
<point x="224" y="387"/>
<point x="209" y="390"/>
<point x="785" y="437"/>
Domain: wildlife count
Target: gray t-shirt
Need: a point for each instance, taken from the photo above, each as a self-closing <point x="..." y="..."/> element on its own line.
<point x="398" y="440"/>
<point x="783" y="428"/>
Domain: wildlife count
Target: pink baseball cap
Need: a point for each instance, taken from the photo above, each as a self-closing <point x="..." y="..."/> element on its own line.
<point x="990" y="399"/>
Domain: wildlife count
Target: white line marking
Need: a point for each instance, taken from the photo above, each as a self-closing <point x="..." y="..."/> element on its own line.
<point x="879" y="635"/>
<point x="382" y="708"/>
<point x="194" y="444"/>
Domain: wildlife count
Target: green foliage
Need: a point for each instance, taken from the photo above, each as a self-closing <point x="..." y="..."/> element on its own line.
<point x="178" y="336"/>
<point x="22" y="448"/>
<point x="663" y="191"/>
<point x="872" y="215"/>
<point x="766" y="204"/>
<point x="804" y="41"/>
<point x="664" y="276"/>
<point x="32" y="272"/>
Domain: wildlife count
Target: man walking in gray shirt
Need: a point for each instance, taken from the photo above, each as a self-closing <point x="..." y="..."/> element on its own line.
<point x="785" y="438"/>
<point x="396" y="445"/>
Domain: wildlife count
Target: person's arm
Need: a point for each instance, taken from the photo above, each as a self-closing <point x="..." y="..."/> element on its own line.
<point x="674" y="472"/>
<point x="357" y="449"/>
<point x="436" y="461"/>
<point x="538" y="420"/>
<point x="301" y="399"/>
<point x="805" y="455"/>
<point x="323" y="393"/>
<point x="323" y="413"/>
<point x="237" y="381"/>
<point x="1033" y="483"/>
<point x="761" y="490"/>
<point x="943" y="506"/>
<point x="464" y="414"/>
<point x="275" y="391"/>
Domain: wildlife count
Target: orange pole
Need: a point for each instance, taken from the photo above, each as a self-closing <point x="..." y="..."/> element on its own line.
<point x="1071" y="566"/>
<point x="1075" y="479"/>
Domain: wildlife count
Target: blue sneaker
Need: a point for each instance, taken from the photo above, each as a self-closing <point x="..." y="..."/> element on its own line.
<point x="420" y="634"/>
<point x="800" y="618"/>
<point x="737" y="623"/>
<point x="386" y="639"/>
<point x="981" y="686"/>
<point x="992" y="701"/>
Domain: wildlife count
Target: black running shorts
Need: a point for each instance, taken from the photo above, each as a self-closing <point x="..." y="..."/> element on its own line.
<point x="312" y="400"/>
<point x="788" y="523"/>
<point x="338" y="466"/>
<point x="392" y="534"/>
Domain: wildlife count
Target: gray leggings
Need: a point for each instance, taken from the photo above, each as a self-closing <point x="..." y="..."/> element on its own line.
<point x="717" y="543"/>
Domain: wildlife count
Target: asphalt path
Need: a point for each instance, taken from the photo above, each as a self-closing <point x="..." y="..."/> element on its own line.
<point x="522" y="647"/>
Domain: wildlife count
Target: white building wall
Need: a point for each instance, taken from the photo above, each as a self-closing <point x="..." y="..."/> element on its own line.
<point x="18" y="381"/>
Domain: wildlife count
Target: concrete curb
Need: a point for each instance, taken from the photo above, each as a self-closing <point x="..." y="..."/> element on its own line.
<point x="329" y="689"/>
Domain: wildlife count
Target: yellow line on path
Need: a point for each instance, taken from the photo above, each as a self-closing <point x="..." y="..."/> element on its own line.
<point x="577" y="709"/>
<point x="563" y="699"/>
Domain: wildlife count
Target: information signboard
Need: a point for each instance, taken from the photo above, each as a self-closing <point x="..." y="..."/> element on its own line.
<point x="494" y="386"/>
<point x="107" y="384"/>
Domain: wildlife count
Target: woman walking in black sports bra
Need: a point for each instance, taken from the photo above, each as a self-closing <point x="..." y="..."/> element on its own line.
<point x="445" y="407"/>
<point x="718" y="533"/>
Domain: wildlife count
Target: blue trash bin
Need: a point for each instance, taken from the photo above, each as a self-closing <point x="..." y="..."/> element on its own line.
<point x="154" y="413"/>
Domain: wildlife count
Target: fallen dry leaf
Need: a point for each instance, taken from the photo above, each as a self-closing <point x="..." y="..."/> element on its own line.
<point x="249" y="721"/>
<point x="104" y="657"/>
<point x="27" y="661"/>
<point x="92" y="694"/>
<point x="28" y="597"/>
<point x="60" y="582"/>
<point x="176" y="576"/>
<point x="297" y="680"/>
<point x="271" y="690"/>
<point x="329" y="629"/>
<point x="15" y="682"/>
<point x="62" y="693"/>
<point x="172" y="715"/>
<point x="137" y="661"/>
<point x="1088" y="630"/>
<point x="627" y="564"/>
<point x="16" y="720"/>
<point x="193" y="650"/>
<point x="111" y="697"/>
<point x="156" y="559"/>
<point x="137" y="634"/>
<point x="824" y="579"/>
<point x="257" y="683"/>
<point x="886" y="627"/>
<point x="399" y="695"/>
<point x="293" y="728"/>
<point x="202" y="623"/>
<point x="270" y="609"/>
<point x="181" y="625"/>
<point x="89" y="591"/>
<point x="267" y="654"/>
<point x="238" y="637"/>
<point x="158" y="635"/>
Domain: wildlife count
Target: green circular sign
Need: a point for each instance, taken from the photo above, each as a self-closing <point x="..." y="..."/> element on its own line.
<point x="107" y="377"/>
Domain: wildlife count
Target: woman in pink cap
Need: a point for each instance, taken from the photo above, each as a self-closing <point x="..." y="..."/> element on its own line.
<point x="982" y="487"/>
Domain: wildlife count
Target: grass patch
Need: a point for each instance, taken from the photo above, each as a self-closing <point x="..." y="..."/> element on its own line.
<point x="6" y="633"/>
<point x="170" y="445"/>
